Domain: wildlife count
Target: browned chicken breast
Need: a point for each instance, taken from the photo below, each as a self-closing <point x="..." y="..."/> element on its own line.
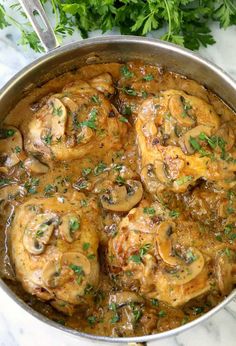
<point x="181" y="140"/>
<point x="77" y="121"/>
<point x="167" y="259"/>
<point x="54" y="249"/>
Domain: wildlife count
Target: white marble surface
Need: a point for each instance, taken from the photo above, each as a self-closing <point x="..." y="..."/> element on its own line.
<point x="18" y="328"/>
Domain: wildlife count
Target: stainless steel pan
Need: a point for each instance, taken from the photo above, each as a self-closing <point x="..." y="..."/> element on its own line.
<point x="101" y="50"/>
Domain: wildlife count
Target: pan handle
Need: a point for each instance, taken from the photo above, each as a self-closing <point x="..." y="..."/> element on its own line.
<point x="37" y="17"/>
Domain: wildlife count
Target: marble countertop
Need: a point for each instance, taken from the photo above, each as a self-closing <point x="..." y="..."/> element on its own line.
<point x="18" y="328"/>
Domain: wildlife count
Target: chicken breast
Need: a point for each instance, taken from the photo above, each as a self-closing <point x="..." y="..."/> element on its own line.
<point x="76" y="121"/>
<point x="181" y="140"/>
<point x="166" y="259"/>
<point x="54" y="249"/>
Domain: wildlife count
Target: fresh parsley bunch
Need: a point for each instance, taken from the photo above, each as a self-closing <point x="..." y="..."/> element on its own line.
<point x="186" y="21"/>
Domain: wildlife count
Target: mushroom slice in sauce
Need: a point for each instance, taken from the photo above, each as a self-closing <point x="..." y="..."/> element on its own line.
<point x="33" y="165"/>
<point x="178" y="111"/>
<point x="125" y="297"/>
<point x="187" y="271"/>
<point x="225" y="273"/>
<point x="51" y="274"/>
<point x="103" y="83"/>
<point x="185" y="141"/>
<point x="10" y="146"/>
<point x="164" y="244"/>
<point x="38" y="233"/>
<point x="58" y="117"/>
<point x="123" y="198"/>
<point x="70" y="225"/>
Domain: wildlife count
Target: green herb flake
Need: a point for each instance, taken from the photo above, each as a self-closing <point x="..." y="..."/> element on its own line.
<point x="126" y="72"/>
<point x="174" y="214"/>
<point x="120" y="180"/>
<point x="57" y="111"/>
<point x="162" y="313"/>
<point x="74" y="224"/>
<point x="86" y="171"/>
<point x="77" y="269"/>
<point x="47" y="139"/>
<point x="95" y="99"/>
<point x="84" y="203"/>
<point x="129" y="91"/>
<point x="115" y="318"/>
<point x="86" y="246"/>
<point x="148" y="77"/>
<point x="100" y="168"/>
<point x="17" y="150"/>
<point x="91" y="256"/>
<point x="183" y="180"/>
<point x="92" y="320"/>
<point x="150" y="211"/>
<point x="123" y="120"/>
<point x="154" y="302"/>
<point x="136" y="259"/>
<point x="91" y="122"/>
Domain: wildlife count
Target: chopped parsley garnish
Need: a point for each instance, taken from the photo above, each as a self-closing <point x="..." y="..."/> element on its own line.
<point x="148" y="77"/>
<point x="31" y="185"/>
<point x="123" y="119"/>
<point x="198" y="310"/>
<point x="149" y="211"/>
<point x="154" y="302"/>
<point x="17" y="150"/>
<point x="120" y="180"/>
<point x="4" y="181"/>
<point x="162" y="313"/>
<point x="91" y="122"/>
<point x="227" y="251"/>
<point x="92" y="320"/>
<point x="39" y="233"/>
<point x="126" y="72"/>
<point x="57" y="111"/>
<point x="129" y="91"/>
<point x="190" y="257"/>
<point x="137" y="312"/>
<point x="115" y="318"/>
<point x="80" y="184"/>
<point x="74" y="224"/>
<point x="144" y="94"/>
<point x="86" y="246"/>
<point x="174" y="213"/>
<point x="113" y="307"/>
<point x="47" y="139"/>
<point x="49" y="190"/>
<point x="86" y="171"/>
<point x="6" y="133"/>
<point x="126" y="110"/>
<point x="100" y="168"/>
<point x="84" y="203"/>
<point x="77" y="269"/>
<point x="91" y="256"/>
<point x="137" y="258"/>
<point x="183" y="180"/>
<point x="95" y="99"/>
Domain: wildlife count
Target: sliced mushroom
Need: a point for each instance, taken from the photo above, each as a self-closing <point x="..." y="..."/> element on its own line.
<point x="194" y="133"/>
<point x="178" y="111"/>
<point x="164" y="245"/>
<point x="38" y="233"/>
<point x="123" y="198"/>
<point x="186" y="272"/>
<point x="69" y="259"/>
<point x="69" y="103"/>
<point x="85" y="135"/>
<point x="225" y="273"/>
<point x="161" y="171"/>
<point x="125" y="297"/>
<point x="10" y="146"/>
<point x="63" y="306"/>
<point x="103" y="83"/>
<point x="70" y="225"/>
<point x="227" y="134"/>
<point x="51" y="274"/>
<point x="33" y="165"/>
<point x="149" y="177"/>
<point x="58" y="117"/>
<point x="149" y="129"/>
